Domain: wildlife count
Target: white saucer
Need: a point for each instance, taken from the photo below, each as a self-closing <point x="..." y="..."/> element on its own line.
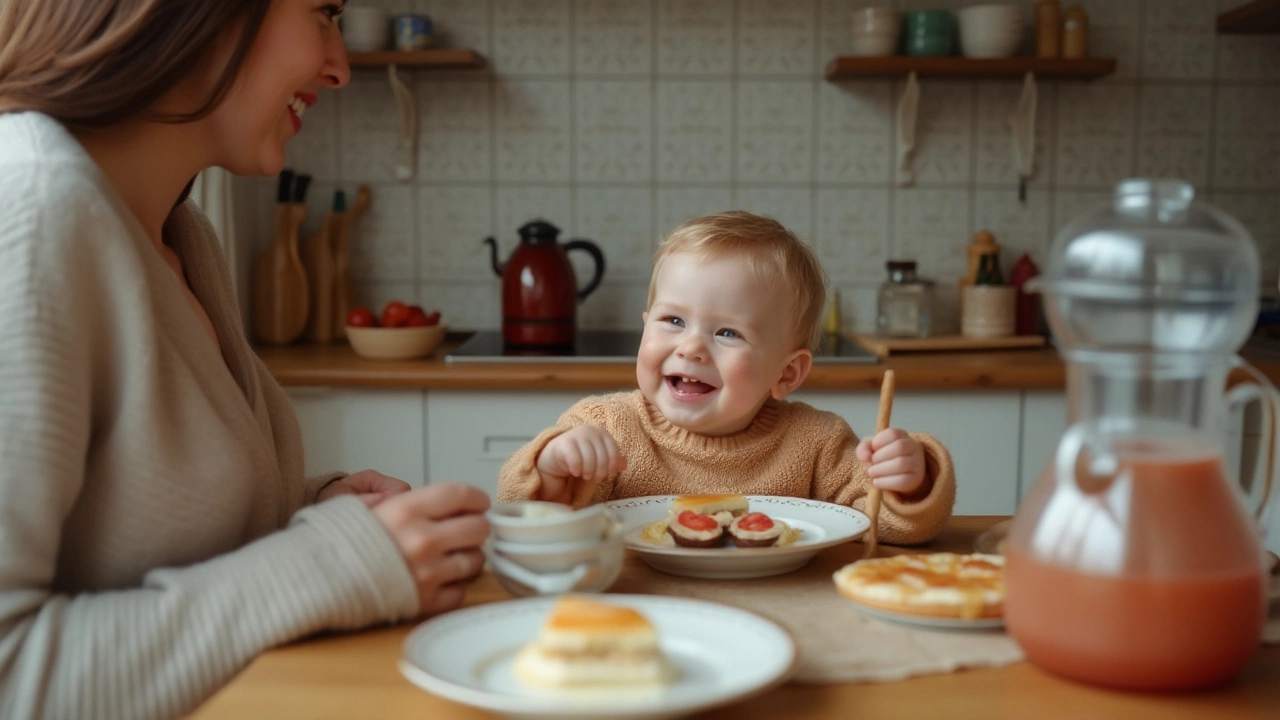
<point x="822" y="525"/>
<point x="722" y="654"/>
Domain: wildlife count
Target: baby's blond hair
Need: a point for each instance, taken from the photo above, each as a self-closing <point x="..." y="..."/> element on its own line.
<point x="780" y="260"/>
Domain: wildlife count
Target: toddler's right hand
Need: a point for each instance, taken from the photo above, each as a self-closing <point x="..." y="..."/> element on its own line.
<point x="586" y="454"/>
<point x="439" y="530"/>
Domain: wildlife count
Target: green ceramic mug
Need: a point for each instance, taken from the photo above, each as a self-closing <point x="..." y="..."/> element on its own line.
<point x="929" y="32"/>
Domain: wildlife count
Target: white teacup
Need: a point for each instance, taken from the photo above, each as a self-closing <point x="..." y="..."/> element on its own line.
<point x="532" y="521"/>
<point x="550" y="568"/>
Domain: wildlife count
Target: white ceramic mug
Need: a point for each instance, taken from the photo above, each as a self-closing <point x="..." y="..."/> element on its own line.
<point x="365" y="29"/>
<point x="988" y="310"/>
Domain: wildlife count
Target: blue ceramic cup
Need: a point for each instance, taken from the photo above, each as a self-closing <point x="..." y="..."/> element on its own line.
<point x="411" y="31"/>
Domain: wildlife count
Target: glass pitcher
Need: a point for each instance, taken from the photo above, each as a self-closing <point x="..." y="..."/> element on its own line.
<point x="1137" y="560"/>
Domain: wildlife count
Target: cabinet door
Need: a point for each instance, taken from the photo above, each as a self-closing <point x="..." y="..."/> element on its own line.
<point x="350" y="430"/>
<point x="471" y="433"/>
<point x="979" y="429"/>
<point x="1044" y="417"/>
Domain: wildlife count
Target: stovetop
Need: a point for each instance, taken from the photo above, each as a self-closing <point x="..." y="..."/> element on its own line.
<point x="618" y="346"/>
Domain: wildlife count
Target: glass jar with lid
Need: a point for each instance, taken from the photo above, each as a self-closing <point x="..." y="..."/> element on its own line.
<point x="904" y="306"/>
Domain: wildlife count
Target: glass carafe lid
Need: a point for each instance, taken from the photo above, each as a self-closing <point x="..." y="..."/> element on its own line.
<point x="1153" y="270"/>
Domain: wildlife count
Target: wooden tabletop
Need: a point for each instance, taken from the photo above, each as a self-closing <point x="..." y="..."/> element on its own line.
<point x="354" y="676"/>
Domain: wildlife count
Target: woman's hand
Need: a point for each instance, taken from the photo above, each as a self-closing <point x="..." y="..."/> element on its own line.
<point x="439" y="530"/>
<point x="371" y="486"/>
<point x="895" y="460"/>
<point x="575" y="462"/>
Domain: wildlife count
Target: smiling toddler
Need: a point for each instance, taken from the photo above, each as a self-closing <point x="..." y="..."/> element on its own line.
<point x="733" y="316"/>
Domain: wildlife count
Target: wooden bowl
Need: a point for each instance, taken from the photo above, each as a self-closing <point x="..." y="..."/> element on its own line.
<point x="395" y="343"/>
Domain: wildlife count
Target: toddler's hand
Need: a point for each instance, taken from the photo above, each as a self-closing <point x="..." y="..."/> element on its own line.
<point x="895" y="461"/>
<point x="573" y="463"/>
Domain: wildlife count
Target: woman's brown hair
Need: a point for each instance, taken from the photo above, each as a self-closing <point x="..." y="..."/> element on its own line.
<point x="93" y="63"/>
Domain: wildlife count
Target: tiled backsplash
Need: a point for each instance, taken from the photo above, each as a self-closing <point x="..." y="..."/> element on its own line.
<point x="616" y="120"/>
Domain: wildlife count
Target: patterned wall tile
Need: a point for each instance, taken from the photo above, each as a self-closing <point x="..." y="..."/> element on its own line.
<point x="1018" y="227"/>
<point x="459" y="23"/>
<point x="1260" y="213"/>
<point x="1173" y="139"/>
<point x="776" y="38"/>
<point x="464" y="304"/>
<point x="1248" y="138"/>
<point x="620" y="222"/>
<point x="533" y="130"/>
<point x="614" y="130"/>
<point x="678" y="204"/>
<point x="792" y="207"/>
<point x="519" y="204"/>
<point x="531" y="37"/>
<point x="852" y="240"/>
<point x="615" y="305"/>
<point x="314" y="150"/>
<point x="1178" y="39"/>
<point x="835" y="19"/>
<point x="1072" y="205"/>
<point x="383" y="245"/>
<point x="369" y="128"/>
<point x="944" y="132"/>
<point x="1095" y="145"/>
<point x="994" y="160"/>
<point x="695" y="131"/>
<point x="931" y="227"/>
<point x="452" y="224"/>
<point x="1115" y="30"/>
<point x="695" y="37"/>
<point x="613" y="38"/>
<point x="454" y="129"/>
<point x="775" y="130"/>
<point x="855" y="132"/>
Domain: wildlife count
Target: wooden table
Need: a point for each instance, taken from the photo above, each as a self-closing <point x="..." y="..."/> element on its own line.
<point x="354" y="676"/>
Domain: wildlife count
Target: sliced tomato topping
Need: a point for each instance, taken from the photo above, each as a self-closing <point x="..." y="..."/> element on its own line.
<point x="755" y="522"/>
<point x="697" y="521"/>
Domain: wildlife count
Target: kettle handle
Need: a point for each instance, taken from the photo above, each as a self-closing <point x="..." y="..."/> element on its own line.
<point x="598" y="256"/>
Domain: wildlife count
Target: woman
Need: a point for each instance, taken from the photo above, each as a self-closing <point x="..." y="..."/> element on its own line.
<point x="156" y="532"/>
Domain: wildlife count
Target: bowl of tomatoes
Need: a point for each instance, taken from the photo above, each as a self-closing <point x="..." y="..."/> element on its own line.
<point x="399" y="332"/>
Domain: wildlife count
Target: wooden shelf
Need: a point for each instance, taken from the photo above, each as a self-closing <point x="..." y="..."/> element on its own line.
<point x="1252" y="18"/>
<point x="442" y="59"/>
<point x="895" y="66"/>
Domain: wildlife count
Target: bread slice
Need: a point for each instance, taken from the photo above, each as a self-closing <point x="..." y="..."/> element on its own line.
<point x="589" y="644"/>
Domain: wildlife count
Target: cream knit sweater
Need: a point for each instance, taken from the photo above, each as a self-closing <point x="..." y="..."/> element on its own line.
<point x="154" y="528"/>
<point x="789" y="449"/>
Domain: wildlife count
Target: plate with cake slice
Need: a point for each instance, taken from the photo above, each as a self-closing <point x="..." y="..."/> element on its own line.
<point x="723" y="537"/>
<point x="615" y="657"/>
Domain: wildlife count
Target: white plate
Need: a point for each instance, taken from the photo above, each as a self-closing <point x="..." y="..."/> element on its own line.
<point x="927" y="622"/>
<point x="466" y="656"/>
<point x="821" y="524"/>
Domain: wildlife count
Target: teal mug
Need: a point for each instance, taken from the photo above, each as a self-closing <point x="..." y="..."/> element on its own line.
<point x="929" y="32"/>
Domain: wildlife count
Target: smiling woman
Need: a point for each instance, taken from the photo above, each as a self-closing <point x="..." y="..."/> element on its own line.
<point x="156" y="528"/>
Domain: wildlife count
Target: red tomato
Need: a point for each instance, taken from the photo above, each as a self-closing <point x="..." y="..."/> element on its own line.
<point x="755" y="522"/>
<point x="434" y="318"/>
<point x="697" y="521"/>
<point x="361" y="317"/>
<point x="417" y="317"/>
<point x="394" y="314"/>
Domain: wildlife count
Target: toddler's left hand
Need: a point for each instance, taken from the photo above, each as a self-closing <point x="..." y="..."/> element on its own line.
<point x="895" y="461"/>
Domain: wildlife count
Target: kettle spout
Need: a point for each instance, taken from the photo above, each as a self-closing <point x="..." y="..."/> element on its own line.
<point x="493" y="255"/>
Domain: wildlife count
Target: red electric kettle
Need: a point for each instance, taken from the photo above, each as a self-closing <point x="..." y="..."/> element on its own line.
<point x="539" y="289"/>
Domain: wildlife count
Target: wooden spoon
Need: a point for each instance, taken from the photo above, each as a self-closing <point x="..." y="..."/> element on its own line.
<point x="873" y="495"/>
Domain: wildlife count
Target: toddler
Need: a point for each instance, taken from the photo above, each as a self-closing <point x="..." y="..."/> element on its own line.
<point x="733" y="316"/>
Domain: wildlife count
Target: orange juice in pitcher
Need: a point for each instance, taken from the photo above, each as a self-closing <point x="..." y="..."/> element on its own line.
<point x="1137" y="560"/>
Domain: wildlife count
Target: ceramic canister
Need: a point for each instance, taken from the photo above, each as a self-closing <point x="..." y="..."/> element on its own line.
<point x="412" y="31"/>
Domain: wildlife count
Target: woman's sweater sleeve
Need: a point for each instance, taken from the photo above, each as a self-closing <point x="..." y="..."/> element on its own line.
<point x="842" y="478"/>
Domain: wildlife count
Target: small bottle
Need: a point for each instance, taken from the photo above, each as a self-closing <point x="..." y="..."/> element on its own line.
<point x="904" y="307"/>
<point x="1075" y="33"/>
<point x="1048" y="29"/>
<point x="989" y="270"/>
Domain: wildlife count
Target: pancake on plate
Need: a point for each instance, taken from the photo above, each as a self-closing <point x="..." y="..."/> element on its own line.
<point x="946" y="585"/>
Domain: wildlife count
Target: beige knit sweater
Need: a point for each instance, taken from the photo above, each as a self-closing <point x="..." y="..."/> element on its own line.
<point x="789" y="449"/>
<point x="154" y="528"/>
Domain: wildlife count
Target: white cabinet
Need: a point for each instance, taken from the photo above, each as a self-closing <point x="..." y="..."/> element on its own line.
<point x="979" y="428"/>
<point x="1044" y="417"/>
<point x="351" y="430"/>
<point x="470" y="433"/>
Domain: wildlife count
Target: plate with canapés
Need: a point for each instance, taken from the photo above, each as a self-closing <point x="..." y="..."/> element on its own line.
<point x="727" y="536"/>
